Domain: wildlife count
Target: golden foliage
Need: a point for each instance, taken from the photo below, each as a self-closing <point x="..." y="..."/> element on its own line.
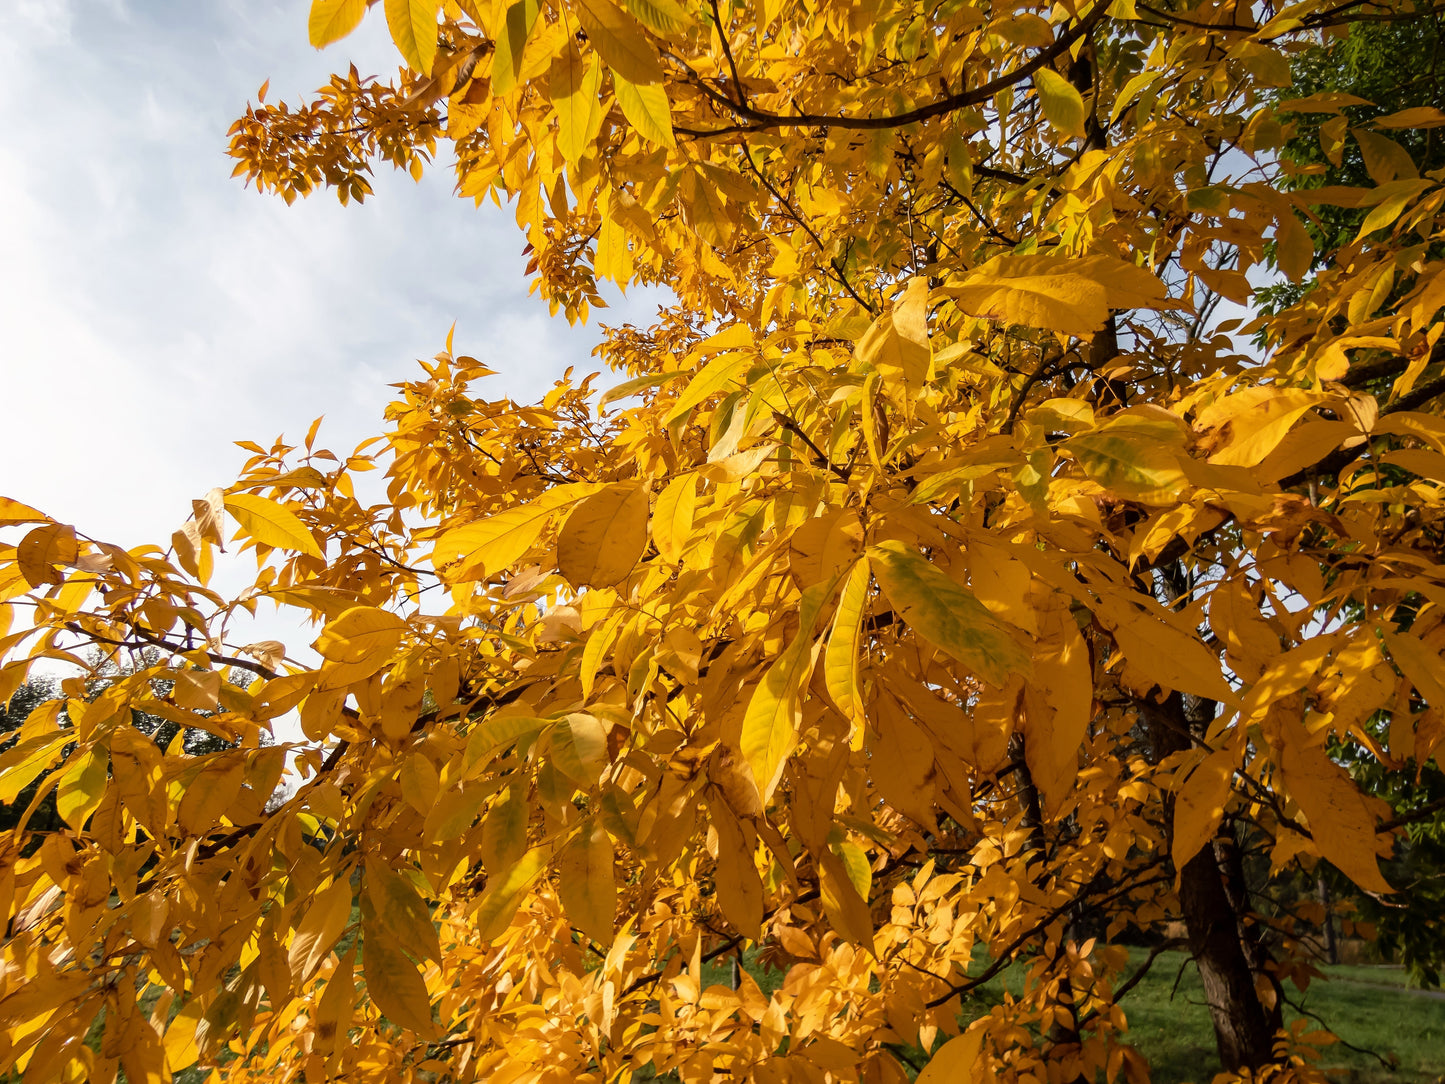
<point x="938" y="568"/>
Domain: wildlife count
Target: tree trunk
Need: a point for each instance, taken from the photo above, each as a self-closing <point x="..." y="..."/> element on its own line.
<point x="1332" y="950"/>
<point x="1243" y="1028"/>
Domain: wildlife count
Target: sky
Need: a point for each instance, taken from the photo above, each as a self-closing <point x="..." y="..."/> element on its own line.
<point x="153" y="310"/>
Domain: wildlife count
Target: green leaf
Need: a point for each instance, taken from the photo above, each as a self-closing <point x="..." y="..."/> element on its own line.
<point x="945" y="614"/>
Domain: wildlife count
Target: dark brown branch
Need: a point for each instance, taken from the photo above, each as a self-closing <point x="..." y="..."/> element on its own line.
<point x="797" y="430"/>
<point x="756" y="120"/>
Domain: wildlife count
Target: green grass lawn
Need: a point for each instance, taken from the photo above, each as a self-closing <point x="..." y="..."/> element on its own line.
<point x="1368" y="1007"/>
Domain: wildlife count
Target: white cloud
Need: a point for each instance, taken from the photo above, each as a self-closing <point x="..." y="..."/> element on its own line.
<point x="152" y="311"/>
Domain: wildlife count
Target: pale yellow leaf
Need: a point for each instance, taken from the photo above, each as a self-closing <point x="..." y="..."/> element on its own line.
<point x="673" y="515"/>
<point x="604" y="536"/>
<point x="770" y="725"/>
<point x="646" y="108"/>
<point x="362" y="634"/>
<point x="332" y="20"/>
<point x="413" y="25"/>
<point x="621" y="42"/>
<point x="271" y="523"/>
<point x="1062" y="104"/>
<point x="844" y="649"/>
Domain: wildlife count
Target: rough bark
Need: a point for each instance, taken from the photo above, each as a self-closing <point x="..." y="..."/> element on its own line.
<point x="1243" y="1028"/>
<point x="1332" y="950"/>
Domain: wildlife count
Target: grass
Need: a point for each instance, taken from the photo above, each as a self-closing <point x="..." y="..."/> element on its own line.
<point x="1367" y="1007"/>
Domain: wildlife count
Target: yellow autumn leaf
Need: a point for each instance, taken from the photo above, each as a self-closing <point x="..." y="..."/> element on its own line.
<point x="1062" y="104"/>
<point x="1199" y="804"/>
<point x="844" y="648"/>
<point x="1074" y="296"/>
<point x="1134" y="458"/>
<point x="13" y="512"/>
<point x="180" y="1037"/>
<point x="394" y="984"/>
<point x="954" y="1061"/>
<point x="1165" y="654"/>
<point x="517" y="23"/>
<point x="271" y="524"/>
<point x="646" y="108"/>
<point x="945" y="614"/>
<point x="332" y="20"/>
<point x="413" y="25"/>
<point x="578" y="746"/>
<point x="604" y="536"/>
<point x="586" y="883"/>
<point x="575" y="85"/>
<point x="497" y="906"/>
<point x="477" y="550"/>
<point x="770" y="725"/>
<point x="621" y="42"/>
<point x="1420" y="664"/>
<point x="824" y="546"/>
<point x="326" y="916"/>
<point x="399" y="913"/>
<point x="672" y="517"/>
<point x="662" y="17"/>
<point x="361" y="635"/>
<point x="82" y="786"/>
<point x="1341" y="819"/>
